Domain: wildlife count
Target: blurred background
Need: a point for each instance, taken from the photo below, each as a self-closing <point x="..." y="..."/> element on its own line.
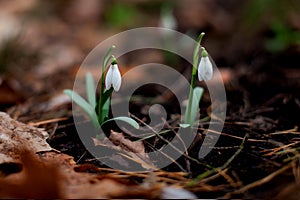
<point x="252" y="42"/>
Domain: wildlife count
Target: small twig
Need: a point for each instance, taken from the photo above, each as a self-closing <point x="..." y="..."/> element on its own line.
<point x="225" y="148"/>
<point x="259" y="182"/>
<point x="217" y="169"/>
<point x="188" y="165"/>
<point x="233" y="136"/>
<point x="277" y="149"/>
<point x="240" y="123"/>
<point x="210" y="178"/>
<point x="264" y="159"/>
<point x="168" y="142"/>
<point x="291" y="131"/>
<point x="52" y="133"/>
<point x="157" y="134"/>
<point x="81" y="157"/>
<point x="292" y="158"/>
<point x="236" y="153"/>
<point x="229" y="179"/>
<point x="47" y="121"/>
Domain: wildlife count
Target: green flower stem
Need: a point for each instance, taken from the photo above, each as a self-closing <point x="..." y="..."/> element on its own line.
<point x="102" y="86"/>
<point x="194" y="75"/>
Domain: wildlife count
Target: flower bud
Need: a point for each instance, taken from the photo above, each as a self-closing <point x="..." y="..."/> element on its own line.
<point x="113" y="76"/>
<point x="205" y="69"/>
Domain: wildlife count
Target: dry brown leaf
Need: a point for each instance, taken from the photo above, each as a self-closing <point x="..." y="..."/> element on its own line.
<point x="52" y="175"/>
<point x="127" y="145"/>
<point x="55" y="175"/>
<point x="14" y="136"/>
<point x="37" y="180"/>
<point x="23" y="174"/>
<point x="134" y="151"/>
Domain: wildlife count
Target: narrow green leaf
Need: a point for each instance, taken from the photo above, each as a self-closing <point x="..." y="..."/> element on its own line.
<point x="84" y="105"/>
<point x="128" y="120"/>
<point x="79" y="100"/>
<point x="90" y="90"/>
<point x="198" y="91"/>
<point x="197" y="94"/>
<point x="187" y="114"/>
<point x="94" y="119"/>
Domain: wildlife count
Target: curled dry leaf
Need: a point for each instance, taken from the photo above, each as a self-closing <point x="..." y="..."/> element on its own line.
<point x="15" y="135"/>
<point x="132" y="150"/>
<point x="126" y="144"/>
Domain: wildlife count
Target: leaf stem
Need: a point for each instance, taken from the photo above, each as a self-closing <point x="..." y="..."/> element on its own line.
<point x="194" y="74"/>
<point x="102" y="86"/>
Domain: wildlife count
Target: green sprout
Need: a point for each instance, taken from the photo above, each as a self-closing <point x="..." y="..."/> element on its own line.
<point x="98" y="109"/>
<point x="205" y="72"/>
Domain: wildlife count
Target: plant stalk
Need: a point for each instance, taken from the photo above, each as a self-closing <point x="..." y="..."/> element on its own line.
<point x="193" y="78"/>
<point x="102" y="86"/>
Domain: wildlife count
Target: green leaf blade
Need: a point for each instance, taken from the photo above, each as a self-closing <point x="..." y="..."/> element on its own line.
<point x="128" y="120"/>
<point x="84" y="105"/>
<point x="197" y="94"/>
<point x="90" y="90"/>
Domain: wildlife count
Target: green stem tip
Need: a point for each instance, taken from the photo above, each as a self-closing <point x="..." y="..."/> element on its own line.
<point x="113" y="60"/>
<point x="204" y="52"/>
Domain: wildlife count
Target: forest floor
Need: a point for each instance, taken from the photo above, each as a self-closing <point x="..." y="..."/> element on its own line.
<point x="256" y="156"/>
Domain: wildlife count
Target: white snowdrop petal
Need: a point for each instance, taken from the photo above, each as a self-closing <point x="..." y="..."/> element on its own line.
<point x="116" y="78"/>
<point x="108" y="78"/>
<point x="113" y="78"/>
<point x="200" y="69"/>
<point x="205" y="69"/>
<point x="209" y="71"/>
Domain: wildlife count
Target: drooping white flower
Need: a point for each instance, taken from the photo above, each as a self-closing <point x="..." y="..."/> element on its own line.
<point x="167" y="19"/>
<point x="113" y="77"/>
<point x="205" y="69"/>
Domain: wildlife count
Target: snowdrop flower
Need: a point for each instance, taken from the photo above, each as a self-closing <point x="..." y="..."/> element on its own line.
<point x="205" y="69"/>
<point x="167" y="19"/>
<point x="113" y="76"/>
